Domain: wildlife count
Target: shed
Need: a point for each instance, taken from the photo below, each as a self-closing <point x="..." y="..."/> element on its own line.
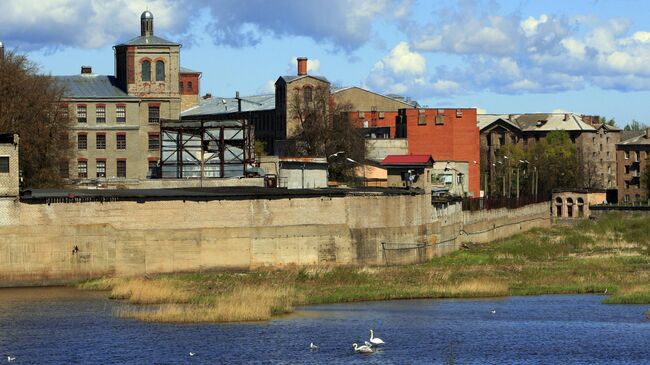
<point x="409" y="171"/>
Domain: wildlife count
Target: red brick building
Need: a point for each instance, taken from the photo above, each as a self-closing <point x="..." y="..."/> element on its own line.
<point x="445" y="134"/>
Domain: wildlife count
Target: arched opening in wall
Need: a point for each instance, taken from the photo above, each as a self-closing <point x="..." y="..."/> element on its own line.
<point x="146" y="71"/>
<point x="160" y="71"/>
<point x="581" y="207"/>
<point x="307" y="93"/>
<point x="558" y="207"/>
<point x="569" y="207"/>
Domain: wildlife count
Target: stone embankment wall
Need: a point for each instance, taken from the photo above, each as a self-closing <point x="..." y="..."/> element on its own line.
<point x="37" y="245"/>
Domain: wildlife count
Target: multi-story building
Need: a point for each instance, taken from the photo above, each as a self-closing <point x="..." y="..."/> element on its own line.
<point x="632" y="157"/>
<point x="116" y="118"/>
<point x="595" y="143"/>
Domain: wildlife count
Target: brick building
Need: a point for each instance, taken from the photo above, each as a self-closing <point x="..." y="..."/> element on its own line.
<point x="116" y="118"/>
<point x="9" y="169"/>
<point x="631" y="156"/>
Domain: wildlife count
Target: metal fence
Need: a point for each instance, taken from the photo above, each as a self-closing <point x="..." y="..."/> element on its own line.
<point x="404" y="253"/>
<point x="474" y="204"/>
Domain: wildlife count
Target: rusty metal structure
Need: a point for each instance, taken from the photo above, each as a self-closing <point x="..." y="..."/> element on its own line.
<point x="204" y="149"/>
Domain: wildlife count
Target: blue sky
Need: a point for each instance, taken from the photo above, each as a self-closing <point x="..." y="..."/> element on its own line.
<point x="585" y="56"/>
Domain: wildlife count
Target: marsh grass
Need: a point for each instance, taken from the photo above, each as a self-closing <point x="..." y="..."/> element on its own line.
<point x="590" y="257"/>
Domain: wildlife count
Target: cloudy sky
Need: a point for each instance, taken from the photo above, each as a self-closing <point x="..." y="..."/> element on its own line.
<point x="586" y="56"/>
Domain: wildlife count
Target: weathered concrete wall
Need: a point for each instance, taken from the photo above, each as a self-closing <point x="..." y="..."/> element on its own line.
<point x="130" y="238"/>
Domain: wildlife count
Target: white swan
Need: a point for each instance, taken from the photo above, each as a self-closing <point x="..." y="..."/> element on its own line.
<point x="362" y="349"/>
<point x="192" y="353"/>
<point x="312" y="346"/>
<point x="10" y="358"/>
<point x="493" y="311"/>
<point x="375" y="340"/>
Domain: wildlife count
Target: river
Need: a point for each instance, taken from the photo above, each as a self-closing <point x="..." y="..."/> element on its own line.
<point x="66" y="326"/>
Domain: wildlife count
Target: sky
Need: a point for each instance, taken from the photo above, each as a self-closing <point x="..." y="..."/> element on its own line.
<point x="517" y="56"/>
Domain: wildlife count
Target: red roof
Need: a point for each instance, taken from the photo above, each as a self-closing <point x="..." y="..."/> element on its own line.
<point x="408" y="160"/>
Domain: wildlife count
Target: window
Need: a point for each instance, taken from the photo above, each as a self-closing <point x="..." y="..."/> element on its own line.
<point x="307" y="94"/>
<point x="627" y="169"/>
<point x="154" y="114"/>
<point x="64" y="169"/>
<point x="362" y="115"/>
<point x="180" y="85"/>
<point x="4" y="164"/>
<point x="154" y="141"/>
<point x="101" y="168"/>
<point x="82" y="141"/>
<point x="381" y="115"/>
<point x="82" y="169"/>
<point x="81" y="114"/>
<point x="64" y="112"/>
<point x="100" y="142"/>
<point x="120" y="114"/>
<point x="100" y="113"/>
<point x="160" y="71"/>
<point x="121" y="168"/>
<point x="440" y="119"/>
<point x="146" y="71"/>
<point x="120" y="141"/>
<point x="422" y="118"/>
<point x="190" y="86"/>
<point x="627" y="155"/>
<point x="152" y="169"/>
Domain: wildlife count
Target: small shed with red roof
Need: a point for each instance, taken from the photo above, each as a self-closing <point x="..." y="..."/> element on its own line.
<point x="409" y="171"/>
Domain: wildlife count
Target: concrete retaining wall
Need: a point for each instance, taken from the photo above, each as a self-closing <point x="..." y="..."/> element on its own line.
<point x="130" y="238"/>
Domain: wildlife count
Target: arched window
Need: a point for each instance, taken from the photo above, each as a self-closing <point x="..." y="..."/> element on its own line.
<point x="160" y="71"/>
<point x="307" y="93"/>
<point x="146" y="71"/>
<point x="190" y="86"/>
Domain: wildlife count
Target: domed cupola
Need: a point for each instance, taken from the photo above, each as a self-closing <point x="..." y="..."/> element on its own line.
<point x="146" y="24"/>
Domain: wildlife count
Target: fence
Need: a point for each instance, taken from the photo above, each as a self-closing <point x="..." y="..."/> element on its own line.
<point x="404" y="253"/>
<point x="474" y="204"/>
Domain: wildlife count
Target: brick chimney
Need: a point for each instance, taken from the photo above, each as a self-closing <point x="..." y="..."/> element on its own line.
<point x="647" y="133"/>
<point x="2" y="50"/>
<point x="86" y="70"/>
<point x="302" y="66"/>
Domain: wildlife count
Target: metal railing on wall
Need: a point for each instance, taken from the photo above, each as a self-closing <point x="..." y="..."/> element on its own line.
<point x="404" y="253"/>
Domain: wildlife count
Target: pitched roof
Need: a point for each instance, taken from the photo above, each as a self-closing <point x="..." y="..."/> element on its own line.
<point x="538" y="122"/>
<point x="91" y="86"/>
<point x="625" y="135"/>
<point x="289" y="79"/>
<point x="218" y="105"/>
<point x="485" y="120"/>
<point x="639" y="139"/>
<point x="410" y="104"/>
<point x="150" y="40"/>
<point x="185" y="70"/>
<point x="408" y="160"/>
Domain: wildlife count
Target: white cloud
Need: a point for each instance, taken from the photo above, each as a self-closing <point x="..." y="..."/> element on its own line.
<point x="267" y="88"/>
<point x="402" y="61"/>
<point x="445" y="86"/>
<point x="399" y="72"/>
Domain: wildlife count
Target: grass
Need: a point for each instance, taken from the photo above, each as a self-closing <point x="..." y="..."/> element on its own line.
<point x="591" y="257"/>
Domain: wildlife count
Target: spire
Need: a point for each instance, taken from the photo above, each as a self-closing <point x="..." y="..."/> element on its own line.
<point x="146" y="24"/>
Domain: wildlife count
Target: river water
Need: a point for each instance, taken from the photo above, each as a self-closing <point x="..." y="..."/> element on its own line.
<point x="65" y="326"/>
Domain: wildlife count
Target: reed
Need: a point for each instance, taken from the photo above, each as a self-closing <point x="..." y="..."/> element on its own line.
<point x="636" y="294"/>
<point x="143" y="291"/>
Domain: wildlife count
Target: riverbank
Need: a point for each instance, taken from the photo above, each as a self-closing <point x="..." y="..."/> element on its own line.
<point x="605" y="256"/>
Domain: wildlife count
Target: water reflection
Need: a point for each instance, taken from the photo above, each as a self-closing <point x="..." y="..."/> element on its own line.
<point x="66" y="326"/>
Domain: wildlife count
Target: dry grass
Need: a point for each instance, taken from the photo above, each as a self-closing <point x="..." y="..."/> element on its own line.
<point x="143" y="291"/>
<point x="101" y="284"/>
<point x="472" y="289"/>
<point x="243" y="304"/>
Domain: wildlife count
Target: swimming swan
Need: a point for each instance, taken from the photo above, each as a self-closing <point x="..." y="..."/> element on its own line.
<point x="312" y="346"/>
<point x="375" y="340"/>
<point x="362" y="349"/>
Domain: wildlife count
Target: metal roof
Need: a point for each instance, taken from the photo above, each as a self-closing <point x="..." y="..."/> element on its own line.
<point x="185" y="70"/>
<point x="640" y="139"/>
<point x="218" y="105"/>
<point x="91" y="86"/>
<point x="408" y="160"/>
<point x="625" y="135"/>
<point x="150" y="40"/>
<point x="537" y="122"/>
<point x="289" y="79"/>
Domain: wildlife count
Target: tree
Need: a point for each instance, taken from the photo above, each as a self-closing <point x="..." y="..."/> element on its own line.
<point x="30" y="105"/>
<point x="635" y="125"/>
<point x="556" y="161"/>
<point x="325" y="130"/>
<point x="645" y="178"/>
<point x="610" y="122"/>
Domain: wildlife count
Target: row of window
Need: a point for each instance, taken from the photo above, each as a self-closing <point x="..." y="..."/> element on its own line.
<point x="635" y="155"/>
<point x="146" y="70"/>
<point x="120" y="114"/>
<point x="100" y="168"/>
<point x="190" y="86"/>
<point x="120" y="141"/>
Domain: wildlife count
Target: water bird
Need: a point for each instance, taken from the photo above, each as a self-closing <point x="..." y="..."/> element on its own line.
<point x="312" y="346"/>
<point x="11" y="358"/>
<point x="605" y="292"/>
<point x="367" y="343"/>
<point x="362" y="349"/>
<point x="375" y="340"/>
<point x="493" y="311"/>
<point x="192" y="353"/>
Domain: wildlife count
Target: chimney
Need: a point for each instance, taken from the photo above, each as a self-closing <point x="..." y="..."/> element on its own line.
<point x="2" y="51"/>
<point x="86" y="70"/>
<point x="647" y="133"/>
<point x="238" y="101"/>
<point x="566" y="117"/>
<point x="207" y="96"/>
<point x="302" y="66"/>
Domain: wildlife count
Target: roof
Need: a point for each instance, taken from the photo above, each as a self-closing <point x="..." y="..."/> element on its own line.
<point x="289" y="79"/>
<point x="537" y="122"/>
<point x="639" y="139"/>
<point x="606" y="126"/>
<point x="185" y="70"/>
<point x="218" y="105"/>
<point x="314" y="160"/>
<point x="625" y="135"/>
<point x="397" y="98"/>
<point x="408" y="160"/>
<point x="91" y="86"/>
<point x="150" y="40"/>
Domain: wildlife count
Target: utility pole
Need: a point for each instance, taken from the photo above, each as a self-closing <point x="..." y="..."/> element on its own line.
<point x="517" y="182"/>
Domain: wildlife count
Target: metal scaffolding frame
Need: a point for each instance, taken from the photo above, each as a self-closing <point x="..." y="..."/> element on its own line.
<point x="206" y="148"/>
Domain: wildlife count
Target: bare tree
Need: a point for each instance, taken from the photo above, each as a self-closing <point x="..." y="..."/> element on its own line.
<point x="30" y="105"/>
<point x="324" y="129"/>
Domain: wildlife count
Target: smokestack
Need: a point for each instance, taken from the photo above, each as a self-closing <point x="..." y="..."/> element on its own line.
<point x="566" y="117"/>
<point x="86" y="70"/>
<point x="302" y="66"/>
<point x="238" y="101"/>
<point x="2" y="50"/>
<point x="647" y="133"/>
